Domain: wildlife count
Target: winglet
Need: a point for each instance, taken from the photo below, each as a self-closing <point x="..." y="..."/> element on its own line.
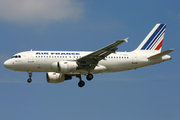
<point x="126" y="40"/>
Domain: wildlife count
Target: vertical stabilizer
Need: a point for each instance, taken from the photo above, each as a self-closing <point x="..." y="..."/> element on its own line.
<point x="153" y="41"/>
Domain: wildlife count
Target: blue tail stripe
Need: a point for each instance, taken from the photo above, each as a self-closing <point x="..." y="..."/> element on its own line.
<point x="155" y="39"/>
<point x="153" y="35"/>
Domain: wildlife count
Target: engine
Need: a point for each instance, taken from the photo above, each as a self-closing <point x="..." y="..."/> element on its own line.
<point x="64" y="66"/>
<point x="53" y="77"/>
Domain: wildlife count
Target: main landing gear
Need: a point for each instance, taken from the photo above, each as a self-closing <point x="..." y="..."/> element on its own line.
<point x="30" y="75"/>
<point x="89" y="77"/>
<point x="81" y="82"/>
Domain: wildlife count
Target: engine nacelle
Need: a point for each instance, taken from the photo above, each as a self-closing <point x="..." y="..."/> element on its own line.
<point x="53" y="77"/>
<point x="64" y="66"/>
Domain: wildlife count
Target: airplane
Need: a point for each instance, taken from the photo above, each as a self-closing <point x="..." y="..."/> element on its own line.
<point x="62" y="65"/>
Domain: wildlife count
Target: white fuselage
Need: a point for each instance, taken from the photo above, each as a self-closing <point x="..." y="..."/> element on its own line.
<point x="42" y="61"/>
<point x="62" y="65"/>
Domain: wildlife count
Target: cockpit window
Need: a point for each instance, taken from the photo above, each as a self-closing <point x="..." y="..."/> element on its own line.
<point x="16" y="56"/>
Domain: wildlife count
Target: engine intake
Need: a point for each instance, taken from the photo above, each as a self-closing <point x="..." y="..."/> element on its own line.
<point x="53" y="77"/>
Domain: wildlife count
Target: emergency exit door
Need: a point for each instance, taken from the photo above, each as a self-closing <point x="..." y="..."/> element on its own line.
<point x="134" y="58"/>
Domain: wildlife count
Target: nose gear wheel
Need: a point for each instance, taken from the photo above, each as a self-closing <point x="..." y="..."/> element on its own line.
<point x="30" y="75"/>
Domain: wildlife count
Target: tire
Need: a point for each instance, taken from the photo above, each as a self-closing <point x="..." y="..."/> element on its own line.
<point x="29" y="80"/>
<point x="81" y="83"/>
<point x="89" y="77"/>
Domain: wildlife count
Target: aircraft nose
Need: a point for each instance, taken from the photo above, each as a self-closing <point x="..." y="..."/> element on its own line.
<point x="7" y="64"/>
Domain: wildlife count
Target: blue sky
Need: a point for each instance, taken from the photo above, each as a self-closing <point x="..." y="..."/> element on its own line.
<point x="148" y="93"/>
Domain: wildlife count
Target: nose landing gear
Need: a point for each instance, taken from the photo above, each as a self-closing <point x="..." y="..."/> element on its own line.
<point x="30" y="75"/>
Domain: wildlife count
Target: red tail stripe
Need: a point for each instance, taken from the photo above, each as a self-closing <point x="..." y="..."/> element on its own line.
<point x="159" y="46"/>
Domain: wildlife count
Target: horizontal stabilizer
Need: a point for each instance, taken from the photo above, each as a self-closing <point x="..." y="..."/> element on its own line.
<point x="159" y="55"/>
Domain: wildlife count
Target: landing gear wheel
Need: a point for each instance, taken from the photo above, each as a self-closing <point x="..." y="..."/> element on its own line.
<point x="30" y="75"/>
<point x="81" y="83"/>
<point x="29" y="80"/>
<point x="89" y="77"/>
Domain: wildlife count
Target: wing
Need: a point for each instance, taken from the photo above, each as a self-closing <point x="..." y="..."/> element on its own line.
<point x="92" y="59"/>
